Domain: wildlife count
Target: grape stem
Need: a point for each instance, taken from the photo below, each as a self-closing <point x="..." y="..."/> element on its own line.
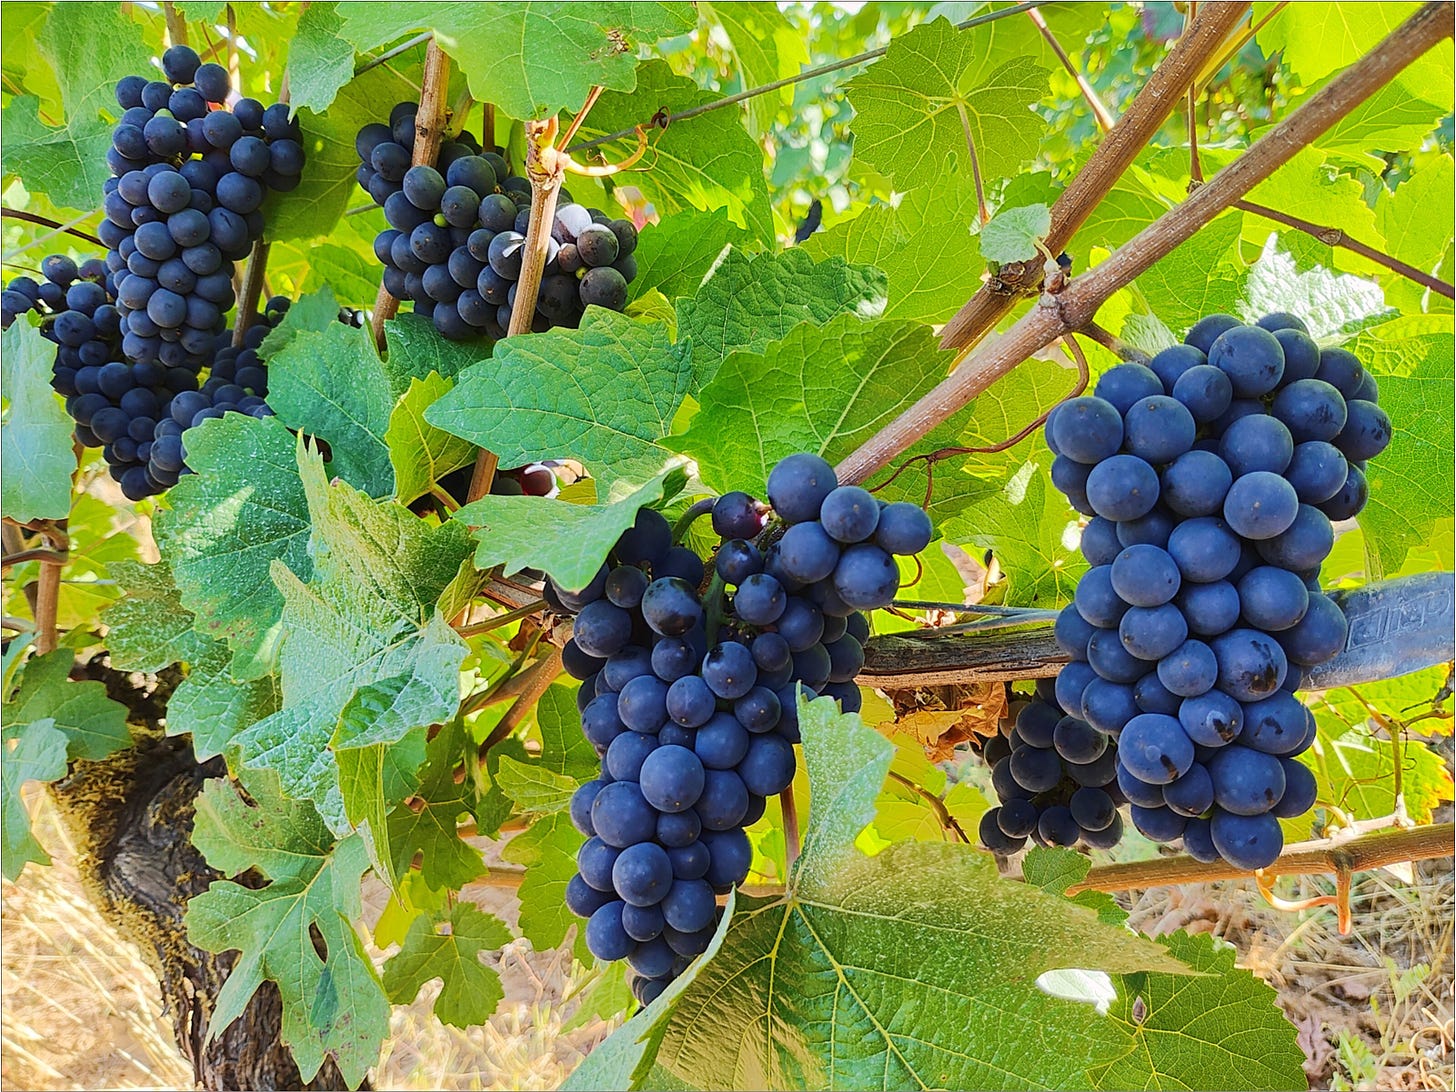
<point x="429" y="127"/>
<point x="1152" y="106"/>
<point x="1332" y="236"/>
<point x="393" y="52"/>
<point x="46" y="221"/>
<point x="699" y="509"/>
<point x="544" y="171"/>
<point x="534" y="681"/>
<point x="176" y="25"/>
<point x="1076" y="305"/>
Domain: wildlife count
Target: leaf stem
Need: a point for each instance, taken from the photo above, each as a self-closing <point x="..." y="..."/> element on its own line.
<point x="1077" y="305"/>
<point x="947" y="821"/>
<point x="1114" y="344"/>
<point x="1333" y="236"/>
<point x="687" y="519"/>
<point x="791" y="827"/>
<point x="981" y="209"/>
<point x="393" y="52"/>
<point x="46" y="221"/>
<point x="1099" y="111"/>
<point x="501" y="619"/>
<point x="176" y="25"/>
<point x="534" y="681"/>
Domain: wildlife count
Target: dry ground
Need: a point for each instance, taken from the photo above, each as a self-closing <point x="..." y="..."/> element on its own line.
<point x="80" y="1010"/>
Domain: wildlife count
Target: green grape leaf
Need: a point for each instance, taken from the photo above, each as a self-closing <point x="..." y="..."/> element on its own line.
<point x="1417" y="226"/>
<point x="1013" y="234"/>
<point x="564" y="750"/>
<point x="547" y="851"/>
<point x="341" y="270"/>
<point x="36" y="432"/>
<point x="332" y="384"/>
<point x="314" y="311"/>
<point x="604" y="394"/>
<point x="148" y="628"/>
<point x="320" y="62"/>
<point x="374" y="778"/>
<point x="1308" y="188"/>
<point x="675" y="255"/>
<point x="1219" y="1028"/>
<point x="88" y="48"/>
<point x="1356" y="772"/>
<point x="710" y="164"/>
<point x="824" y="389"/>
<point x="1330" y="303"/>
<point x="533" y="787"/>
<point x="225" y="525"/>
<point x="414" y="349"/>
<point x="916" y="108"/>
<point x="213" y="707"/>
<point x="333" y="1006"/>
<point x="752" y="300"/>
<point x="1411" y="481"/>
<point x="368" y="617"/>
<point x="32" y="752"/>
<point x="430" y="828"/>
<point x="470" y="991"/>
<point x="763" y="47"/>
<point x="328" y="186"/>
<point x="1055" y="870"/>
<point x="1314" y="40"/>
<point x="1032" y="531"/>
<point x="1200" y="277"/>
<point x="566" y="541"/>
<point x="531" y="60"/>
<point x="921" y="245"/>
<point x="420" y="453"/>
<point x="94" y="726"/>
<point x="824" y="986"/>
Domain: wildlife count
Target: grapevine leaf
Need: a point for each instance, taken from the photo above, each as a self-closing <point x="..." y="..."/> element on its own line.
<point x="88" y="47"/>
<point x="919" y="244"/>
<point x="429" y="829"/>
<point x="533" y="787"/>
<point x="213" y="707"/>
<point x="1328" y="302"/>
<point x="749" y="301"/>
<point x="547" y="851"/>
<point x="1306" y="187"/>
<point x="675" y="255"/>
<point x="564" y="750"/>
<point x="1356" y="771"/>
<point x="148" y="628"/>
<point x="824" y="986"/>
<point x="32" y="752"/>
<point x="531" y="60"/>
<point x="93" y="725"/>
<point x="604" y="394"/>
<point x="470" y="991"/>
<point x="1055" y="870"/>
<point x="1032" y="531"/>
<point x="332" y="384"/>
<point x="333" y="1006"/>
<point x="225" y="525"/>
<point x="341" y="269"/>
<point x="372" y="780"/>
<point x="712" y="163"/>
<point x="1013" y="234"/>
<point x="764" y="47"/>
<point x="1314" y="40"/>
<point x="35" y="435"/>
<point x="1200" y="277"/>
<point x="328" y="184"/>
<point x="415" y="350"/>
<point x="1411" y="481"/>
<point x="567" y="541"/>
<point x="824" y="389"/>
<point x="320" y="62"/>
<point x="369" y="615"/>
<point x="932" y="91"/>
<point x="313" y="311"/>
<point x="420" y="453"/>
<point x="1219" y="1028"/>
<point x="1417" y="226"/>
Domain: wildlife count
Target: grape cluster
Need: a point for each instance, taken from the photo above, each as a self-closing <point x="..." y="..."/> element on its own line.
<point x="1212" y="477"/>
<point x="1055" y="776"/>
<point x="457" y="230"/>
<point x="691" y="698"/>
<point x="189" y="177"/>
<point x="77" y="306"/>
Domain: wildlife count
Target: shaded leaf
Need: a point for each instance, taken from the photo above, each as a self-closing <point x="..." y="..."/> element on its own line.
<point x="32" y="752"/>
<point x="470" y="991"/>
<point x="36" y="433"/>
<point x="420" y="453"/>
<point x="93" y="725"/>
<point x="1012" y="235"/>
